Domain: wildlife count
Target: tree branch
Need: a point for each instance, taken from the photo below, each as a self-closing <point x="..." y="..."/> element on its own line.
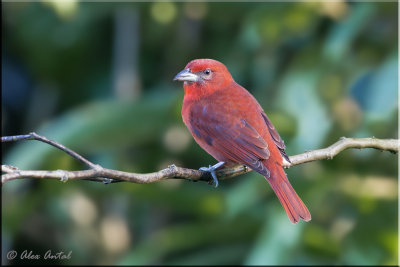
<point x="98" y="173"/>
<point x="35" y="136"/>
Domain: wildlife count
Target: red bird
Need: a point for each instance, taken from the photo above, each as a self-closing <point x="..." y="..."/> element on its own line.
<point x="229" y="123"/>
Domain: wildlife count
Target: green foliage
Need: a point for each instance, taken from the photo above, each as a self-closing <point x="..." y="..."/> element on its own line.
<point x="320" y="70"/>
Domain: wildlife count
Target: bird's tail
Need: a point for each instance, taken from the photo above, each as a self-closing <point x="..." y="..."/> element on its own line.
<point x="290" y="201"/>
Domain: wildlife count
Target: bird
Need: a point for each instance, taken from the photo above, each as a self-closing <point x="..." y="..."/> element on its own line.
<point x="229" y="124"/>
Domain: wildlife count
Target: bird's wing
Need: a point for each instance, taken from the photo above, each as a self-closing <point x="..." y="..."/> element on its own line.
<point x="275" y="136"/>
<point x="237" y="140"/>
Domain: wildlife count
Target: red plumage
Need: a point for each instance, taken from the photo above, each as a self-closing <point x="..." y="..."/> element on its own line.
<point x="229" y="123"/>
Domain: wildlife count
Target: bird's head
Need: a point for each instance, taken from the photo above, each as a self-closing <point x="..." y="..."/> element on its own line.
<point x="204" y="76"/>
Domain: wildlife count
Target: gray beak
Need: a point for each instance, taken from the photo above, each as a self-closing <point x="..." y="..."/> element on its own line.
<point x="186" y="76"/>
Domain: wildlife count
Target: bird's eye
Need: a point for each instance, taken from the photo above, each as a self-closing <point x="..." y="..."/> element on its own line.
<point x="207" y="71"/>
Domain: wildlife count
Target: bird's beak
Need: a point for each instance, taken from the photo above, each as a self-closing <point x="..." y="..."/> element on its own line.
<point x="186" y="76"/>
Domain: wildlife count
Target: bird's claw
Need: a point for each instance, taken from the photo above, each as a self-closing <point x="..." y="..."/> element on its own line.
<point x="211" y="170"/>
<point x="107" y="181"/>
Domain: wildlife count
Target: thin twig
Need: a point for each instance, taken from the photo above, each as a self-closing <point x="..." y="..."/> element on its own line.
<point x="391" y="145"/>
<point x="97" y="173"/>
<point x="35" y="136"/>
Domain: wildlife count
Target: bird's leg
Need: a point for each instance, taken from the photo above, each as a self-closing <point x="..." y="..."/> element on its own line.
<point x="211" y="169"/>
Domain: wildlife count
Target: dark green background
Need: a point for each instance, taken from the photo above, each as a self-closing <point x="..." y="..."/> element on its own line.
<point x="97" y="77"/>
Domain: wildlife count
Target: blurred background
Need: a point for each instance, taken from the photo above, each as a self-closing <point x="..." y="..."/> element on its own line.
<point x="97" y="77"/>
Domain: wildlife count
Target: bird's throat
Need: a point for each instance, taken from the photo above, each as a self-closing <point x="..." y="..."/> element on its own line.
<point x="196" y="91"/>
<point x="200" y="90"/>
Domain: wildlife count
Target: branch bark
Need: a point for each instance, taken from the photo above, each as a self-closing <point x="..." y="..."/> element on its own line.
<point x="99" y="174"/>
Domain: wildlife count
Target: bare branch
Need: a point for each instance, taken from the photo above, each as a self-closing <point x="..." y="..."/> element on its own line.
<point x="35" y="136"/>
<point x="98" y="173"/>
<point x="391" y="145"/>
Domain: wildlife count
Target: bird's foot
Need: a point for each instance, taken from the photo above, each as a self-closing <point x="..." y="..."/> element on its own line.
<point x="211" y="169"/>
